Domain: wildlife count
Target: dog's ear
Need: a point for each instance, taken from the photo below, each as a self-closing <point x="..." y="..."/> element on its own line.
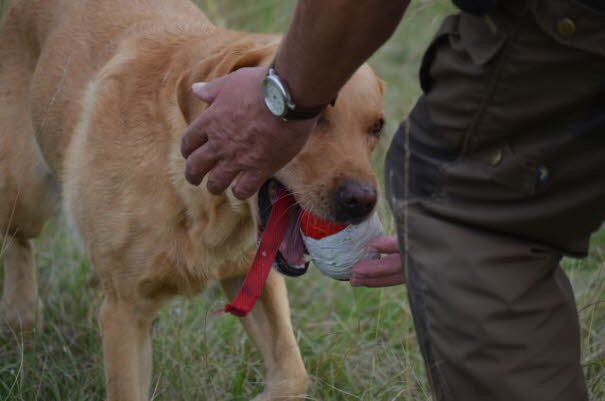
<point x="231" y="58"/>
<point x="245" y="56"/>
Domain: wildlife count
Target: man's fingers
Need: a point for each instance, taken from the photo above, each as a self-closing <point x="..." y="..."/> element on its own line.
<point x="247" y="185"/>
<point x="384" y="244"/>
<point x="194" y="137"/>
<point x="378" y="267"/>
<point x="208" y="91"/>
<point x="199" y="163"/>
<point x="383" y="272"/>
<point x="220" y="177"/>
<point x="373" y="282"/>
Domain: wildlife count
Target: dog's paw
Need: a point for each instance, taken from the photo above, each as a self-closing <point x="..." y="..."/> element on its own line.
<point x="21" y="319"/>
<point x="287" y="390"/>
<point x="268" y="397"/>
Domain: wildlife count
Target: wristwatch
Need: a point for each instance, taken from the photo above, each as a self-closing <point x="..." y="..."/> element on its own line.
<point x="279" y="100"/>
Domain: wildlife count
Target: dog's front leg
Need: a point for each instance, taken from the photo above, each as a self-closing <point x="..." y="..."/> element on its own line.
<point x="125" y="329"/>
<point x="270" y="328"/>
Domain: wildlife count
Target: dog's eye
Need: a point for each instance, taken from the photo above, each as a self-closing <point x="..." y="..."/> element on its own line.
<point x="377" y="127"/>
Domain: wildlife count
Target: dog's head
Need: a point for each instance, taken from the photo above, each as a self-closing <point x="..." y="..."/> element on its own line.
<point x="332" y="177"/>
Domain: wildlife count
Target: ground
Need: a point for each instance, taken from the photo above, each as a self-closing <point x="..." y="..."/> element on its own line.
<point x="358" y="344"/>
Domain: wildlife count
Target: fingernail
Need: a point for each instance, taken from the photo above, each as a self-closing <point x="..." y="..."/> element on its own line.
<point x="189" y="178"/>
<point x="198" y="86"/>
<point x="213" y="188"/>
<point x="184" y="148"/>
<point x="240" y="194"/>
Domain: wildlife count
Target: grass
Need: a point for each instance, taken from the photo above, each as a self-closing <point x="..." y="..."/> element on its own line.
<point x="358" y="344"/>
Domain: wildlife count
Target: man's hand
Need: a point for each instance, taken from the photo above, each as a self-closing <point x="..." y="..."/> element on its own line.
<point x="384" y="272"/>
<point x="237" y="138"/>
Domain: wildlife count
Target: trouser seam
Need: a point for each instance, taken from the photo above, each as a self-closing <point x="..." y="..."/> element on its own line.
<point x="470" y="137"/>
<point x="439" y="384"/>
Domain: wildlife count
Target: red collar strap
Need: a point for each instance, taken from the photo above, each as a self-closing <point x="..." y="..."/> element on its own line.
<point x="271" y="238"/>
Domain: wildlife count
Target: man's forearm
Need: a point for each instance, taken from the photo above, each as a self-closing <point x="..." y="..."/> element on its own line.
<point x="329" y="39"/>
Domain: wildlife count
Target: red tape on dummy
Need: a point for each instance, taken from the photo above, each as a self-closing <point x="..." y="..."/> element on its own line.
<point x="318" y="228"/>
<point x="272" y="237"/>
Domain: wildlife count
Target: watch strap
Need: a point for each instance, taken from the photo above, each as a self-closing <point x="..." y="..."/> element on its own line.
<point x="303" y="113"/>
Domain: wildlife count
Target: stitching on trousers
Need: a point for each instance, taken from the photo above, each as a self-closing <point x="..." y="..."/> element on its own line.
<point x="417" y="296"/>
<point x="493" y="84"/>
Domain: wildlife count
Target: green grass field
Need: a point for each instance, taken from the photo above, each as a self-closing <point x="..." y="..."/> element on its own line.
<point x="358" y="344"/>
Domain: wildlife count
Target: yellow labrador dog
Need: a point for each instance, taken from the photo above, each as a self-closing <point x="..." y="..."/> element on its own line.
<point x="94" y="98"/>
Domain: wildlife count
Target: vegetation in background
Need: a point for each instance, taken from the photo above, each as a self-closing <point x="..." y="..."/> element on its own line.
<point x="358" y="344"/>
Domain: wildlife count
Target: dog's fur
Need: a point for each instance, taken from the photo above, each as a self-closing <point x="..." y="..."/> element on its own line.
<point x="94" y="98"/>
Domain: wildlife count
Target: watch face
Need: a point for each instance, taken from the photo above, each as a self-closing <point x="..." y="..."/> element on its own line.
<point x="274" y="98"/>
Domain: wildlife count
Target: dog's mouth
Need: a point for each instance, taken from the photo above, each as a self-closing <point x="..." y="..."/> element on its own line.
<point x="292" y="258"/>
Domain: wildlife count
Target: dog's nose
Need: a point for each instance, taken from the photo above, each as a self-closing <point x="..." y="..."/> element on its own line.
<point x="355" y="200"/>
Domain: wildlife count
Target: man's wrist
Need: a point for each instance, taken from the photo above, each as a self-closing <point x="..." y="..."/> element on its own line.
<point x="281" y="102"/>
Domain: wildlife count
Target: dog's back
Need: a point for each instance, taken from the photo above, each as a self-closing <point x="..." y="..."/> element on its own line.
<point x="57" y="46"/>
<point x="50" y="51"/>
